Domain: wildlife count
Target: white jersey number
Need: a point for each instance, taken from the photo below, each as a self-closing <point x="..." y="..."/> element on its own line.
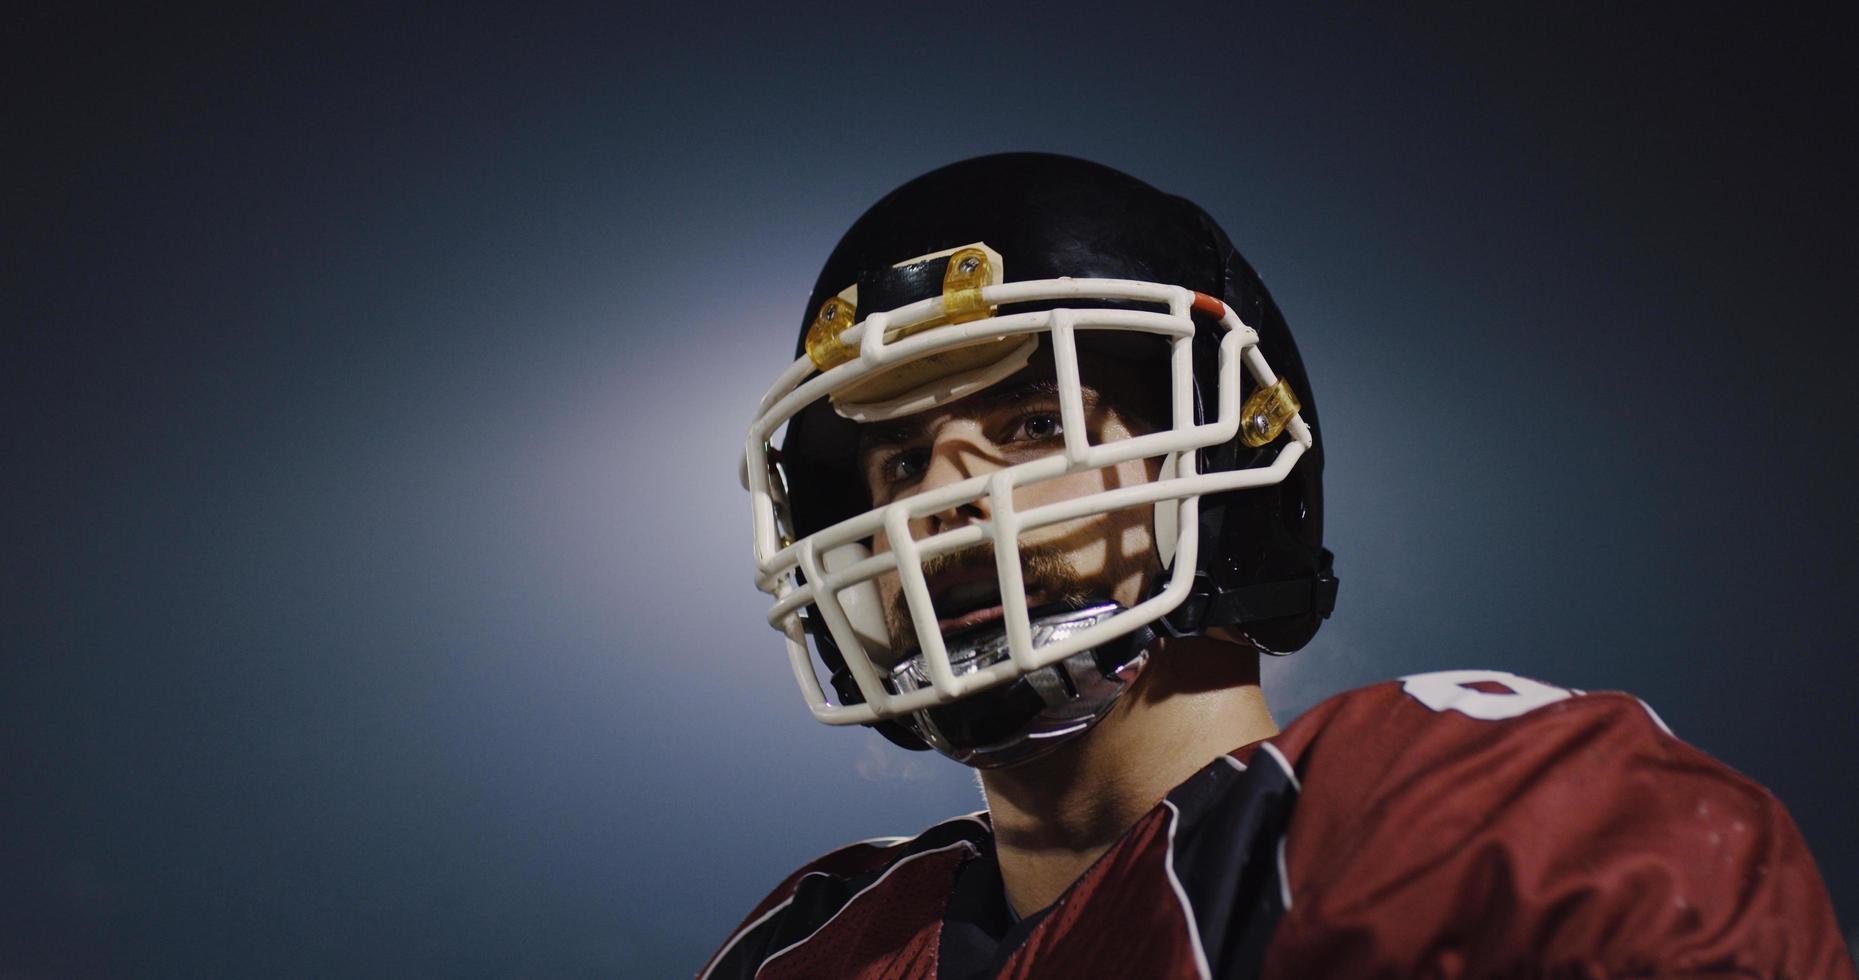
<point x="1448" y="690"/>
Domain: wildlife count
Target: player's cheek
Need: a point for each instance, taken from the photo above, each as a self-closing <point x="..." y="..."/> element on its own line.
<point x="1136" y="539"/>
<point x="1059" y="488"/>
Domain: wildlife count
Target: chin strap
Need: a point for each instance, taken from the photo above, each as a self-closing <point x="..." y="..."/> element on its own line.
<point x="893" y="731"/>
<point x="1210" y="605"/>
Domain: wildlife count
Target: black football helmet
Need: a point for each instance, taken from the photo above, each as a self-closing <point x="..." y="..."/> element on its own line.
<point x="957" y="280"/>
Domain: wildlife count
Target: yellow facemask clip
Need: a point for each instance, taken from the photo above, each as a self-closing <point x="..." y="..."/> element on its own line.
<point x="969" y="270"/>
<point x="1266" y="413"/>
<point x="823" y="347"/>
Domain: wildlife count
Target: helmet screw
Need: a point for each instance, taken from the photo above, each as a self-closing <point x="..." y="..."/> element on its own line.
<point x="969" y="264"/>
<point x="1261" y="423"/>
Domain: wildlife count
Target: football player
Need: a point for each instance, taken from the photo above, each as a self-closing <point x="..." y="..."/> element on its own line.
<point x="1041" y="485"/>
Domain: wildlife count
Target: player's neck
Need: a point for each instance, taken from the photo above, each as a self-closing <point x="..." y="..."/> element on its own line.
<point x="1198" y="699"/>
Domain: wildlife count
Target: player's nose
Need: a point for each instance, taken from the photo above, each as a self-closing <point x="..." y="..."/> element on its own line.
<point x="958" y="453"/>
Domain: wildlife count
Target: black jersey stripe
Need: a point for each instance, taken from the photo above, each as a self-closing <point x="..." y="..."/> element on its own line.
<point x="849" y="900"/>
<point x="1181" y="896"/>
<point x="818" y="896"/>
<point x="724" y="955"/>
<point x="1227" y="851"/>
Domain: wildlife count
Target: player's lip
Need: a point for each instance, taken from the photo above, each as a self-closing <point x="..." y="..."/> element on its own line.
<point x="961" y="578"/>
<point x="941" y="583"/>
<point x="959" y="622"/>
<point x="979" y="602"/>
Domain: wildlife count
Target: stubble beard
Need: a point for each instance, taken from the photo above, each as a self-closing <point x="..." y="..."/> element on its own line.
<point x="1046" y="570"/>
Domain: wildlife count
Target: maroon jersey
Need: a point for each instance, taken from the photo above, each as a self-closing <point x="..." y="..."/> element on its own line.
<point x="1458" y="824"/>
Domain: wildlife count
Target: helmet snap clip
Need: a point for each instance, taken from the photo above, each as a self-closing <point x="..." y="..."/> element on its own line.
<point x="969" y="269"/>
<point x="1266" y="413"/>
<point x="823" y="345"/>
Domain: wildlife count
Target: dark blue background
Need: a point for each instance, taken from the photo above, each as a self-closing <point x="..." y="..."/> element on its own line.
<point x="376" y="593"/>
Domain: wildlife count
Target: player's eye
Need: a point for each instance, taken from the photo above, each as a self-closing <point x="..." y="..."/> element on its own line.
<point x="1037" y="427"/>
<point x="903" y="466"/>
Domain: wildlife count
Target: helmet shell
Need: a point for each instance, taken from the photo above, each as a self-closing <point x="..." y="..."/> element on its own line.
<point x="1054" y="216"/>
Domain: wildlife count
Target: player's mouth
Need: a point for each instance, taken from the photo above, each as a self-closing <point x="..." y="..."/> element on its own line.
<point x="967" y="601"/>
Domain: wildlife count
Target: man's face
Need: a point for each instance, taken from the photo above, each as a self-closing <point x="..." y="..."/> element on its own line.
<point x="1101" y="556"/>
